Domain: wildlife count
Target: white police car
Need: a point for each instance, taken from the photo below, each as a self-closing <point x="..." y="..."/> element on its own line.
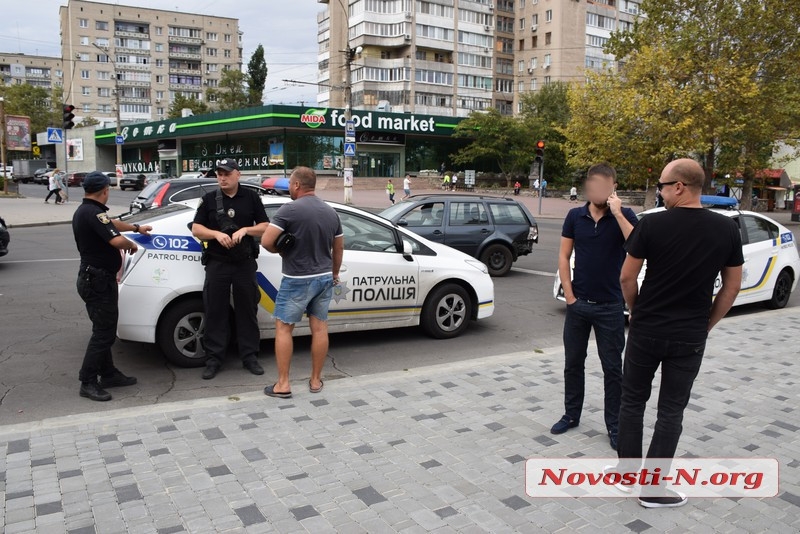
<point x="771" y="261"/>
<point x="390" y="278"/>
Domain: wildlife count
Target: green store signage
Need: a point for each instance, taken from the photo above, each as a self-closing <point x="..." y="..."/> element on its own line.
<point x="295" y="117"/>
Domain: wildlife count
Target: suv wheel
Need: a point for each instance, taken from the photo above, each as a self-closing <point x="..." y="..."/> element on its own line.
<point x="498" y="259"/>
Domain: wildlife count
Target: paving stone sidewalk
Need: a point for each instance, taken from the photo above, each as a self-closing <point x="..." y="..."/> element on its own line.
<point x="436" y="449"/>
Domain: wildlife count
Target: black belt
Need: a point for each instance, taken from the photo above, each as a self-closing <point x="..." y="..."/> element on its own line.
<point x="96" y="271"/>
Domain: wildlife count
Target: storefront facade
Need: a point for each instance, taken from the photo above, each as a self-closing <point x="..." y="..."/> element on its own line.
<point x="273" y="139"/>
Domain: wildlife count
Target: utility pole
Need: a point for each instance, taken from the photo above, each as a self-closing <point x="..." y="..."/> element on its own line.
<point x="4" y="133"/>
<point x="118" y="128"/>
<point x="349" y="129"/>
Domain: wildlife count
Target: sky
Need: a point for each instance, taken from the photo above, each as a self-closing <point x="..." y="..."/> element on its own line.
<point x="288" y="32"/>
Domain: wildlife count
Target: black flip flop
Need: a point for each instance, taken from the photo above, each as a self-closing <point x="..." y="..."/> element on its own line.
<point x="269" y="391"/>
<point x="317" y="390"/>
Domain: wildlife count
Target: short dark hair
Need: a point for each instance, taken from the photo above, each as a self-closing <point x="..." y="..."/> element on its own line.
<point x="306" y="176"/>
<point x="602" y="169"/>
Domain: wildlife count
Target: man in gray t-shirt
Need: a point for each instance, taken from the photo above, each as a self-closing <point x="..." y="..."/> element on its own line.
<point x="310" y="270"/>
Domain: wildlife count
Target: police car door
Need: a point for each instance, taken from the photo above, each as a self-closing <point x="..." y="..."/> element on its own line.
<point x="378" y="285"/>
<point x="760" y="246"/>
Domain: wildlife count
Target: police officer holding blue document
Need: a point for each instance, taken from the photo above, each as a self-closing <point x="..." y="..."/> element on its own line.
<point x="99" y="242"/>
<point x="230" y="222"/>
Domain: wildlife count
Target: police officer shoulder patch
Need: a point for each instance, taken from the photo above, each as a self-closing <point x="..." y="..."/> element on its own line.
<point x="103" y="218"/>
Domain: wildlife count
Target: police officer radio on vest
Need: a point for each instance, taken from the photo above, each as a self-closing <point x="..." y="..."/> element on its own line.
<point x="99" y="243"/>
<point x="230" y="222"/>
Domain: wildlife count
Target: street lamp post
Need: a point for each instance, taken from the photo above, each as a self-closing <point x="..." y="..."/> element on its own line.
<point x="4" y="140"/>
<point x="116" y="104"/>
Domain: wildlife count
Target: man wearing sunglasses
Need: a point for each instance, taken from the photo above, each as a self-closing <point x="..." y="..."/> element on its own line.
<point x="685" y="246"/>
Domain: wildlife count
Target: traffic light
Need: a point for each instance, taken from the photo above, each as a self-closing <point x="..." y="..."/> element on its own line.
<point x="539" y="152"/>
<point x="68" y="116"/>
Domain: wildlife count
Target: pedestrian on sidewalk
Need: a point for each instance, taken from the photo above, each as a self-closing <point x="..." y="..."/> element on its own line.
<point x="543" y="183"/>
<point x="99" y="242"/>
<point x="517" y="187"/>
<point x="595" y="233"/>
<point x="310" y="270"/>
<point x="230" y="221"/>
<point x="573" y="194"/>
<point x="454" y="179"/>
<point x="685" y="247"/>
<point x="390" y="191"/>
<point x="536" y="188"/>
<point x="407" y="186"/>
<point x="53" y="188"/>
<point x="446" y="182"/>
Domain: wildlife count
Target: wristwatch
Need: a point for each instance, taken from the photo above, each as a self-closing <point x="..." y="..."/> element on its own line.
<point x="136" y="228"/>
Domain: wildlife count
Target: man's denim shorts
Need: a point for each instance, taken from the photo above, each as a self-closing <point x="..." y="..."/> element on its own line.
<point x="297" y="296"/>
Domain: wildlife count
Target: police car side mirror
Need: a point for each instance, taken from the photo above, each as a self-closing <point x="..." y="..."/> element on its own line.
<point x="402" y="222"/>
<point x="407" y="250"/>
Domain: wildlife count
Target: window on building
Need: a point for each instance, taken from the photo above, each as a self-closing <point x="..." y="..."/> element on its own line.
<point x="548" y="38"/>
<point x="547" y="80"/>
<point x="535" y="19"/>
<point x="101" y="25"/>
<point x="160" y="78"/>
<point x="521" y="87"/>
<point x="84" y="56"/>
<point x="87" y="108"/>
<point x="228" y="38"/>
<point x="534" y="41"/>
<point x="84" y="40"/>
<point x="104" y="92"/>
<point x="211" y="52"/>
<point x="159" y="47"/>
<point x="420" y="55"/>
<point x="211" y="36"/>
<point x="520" y="65"/>
<point x="86" y="91"/>
<point x="547" y="60"/>
<point x="521" y="44"/>
<point x="522" y="24"/>
<point x="83" y="23"/>
<point x="226" y="53"/>
<point x="103" y="75"/>
<point x="533" y="84"/>
<point x="84" y="74"/>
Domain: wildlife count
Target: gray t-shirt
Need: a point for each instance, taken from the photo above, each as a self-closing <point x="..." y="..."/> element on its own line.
<point x="314" y="225"/>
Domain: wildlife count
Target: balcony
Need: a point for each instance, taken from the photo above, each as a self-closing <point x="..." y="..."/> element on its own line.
<point x="185" y="55"/>
<point x="137" y="51"/>
<point x="190" y="72"/>
<point x="133" y="100"/>
<point x="139" y="67"/>
<point x="133" y="83"/>
<point x="185" y="40"/>
<point x="185" y="87"/>
<point x="38" y="76"/>
<point x="133" y="35"/>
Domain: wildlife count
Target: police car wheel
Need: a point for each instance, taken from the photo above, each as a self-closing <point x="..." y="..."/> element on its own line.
<point x="180" y="334"/>
<point x="446" y="312"/>
<point x="781" y="292"/>
<point x="498" y="259"/>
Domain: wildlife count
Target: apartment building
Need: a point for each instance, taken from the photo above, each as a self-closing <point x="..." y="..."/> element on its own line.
<point x="451" y="57"/>
<point x="558" y="40"/>
<point x="150" y="55"/>
<point x="40" y="71"/>
<point x="434" y="57"/>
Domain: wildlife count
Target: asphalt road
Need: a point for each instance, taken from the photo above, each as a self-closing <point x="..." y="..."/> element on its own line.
<point x="44" y="331"/>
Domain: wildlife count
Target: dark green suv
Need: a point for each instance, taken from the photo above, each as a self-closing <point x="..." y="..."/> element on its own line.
<point x="495" y="230"/>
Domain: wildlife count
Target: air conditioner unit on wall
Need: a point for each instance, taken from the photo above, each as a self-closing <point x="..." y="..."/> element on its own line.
<point x="487" y="28"/>
<point x="530" y="70"/>
<point x="534" y="27"/>
<point x="408" y="37"/>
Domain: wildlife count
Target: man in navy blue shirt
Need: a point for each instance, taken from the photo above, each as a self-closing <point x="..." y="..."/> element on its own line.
<point x="596" y="233"/>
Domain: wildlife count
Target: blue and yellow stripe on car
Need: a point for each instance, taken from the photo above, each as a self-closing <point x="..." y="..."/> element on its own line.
<point x="268" y="293"/>
<point x="765" y="276"/>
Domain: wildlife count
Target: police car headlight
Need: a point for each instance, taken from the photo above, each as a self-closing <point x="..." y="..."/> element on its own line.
<point x="478" y="265"/>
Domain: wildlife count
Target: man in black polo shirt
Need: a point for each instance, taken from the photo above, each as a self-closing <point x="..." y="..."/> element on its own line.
<point x="231" y="233"/>
<point x="685" y="247"/>
<point x="99" y="243"/>
<point x="596" y="232"/>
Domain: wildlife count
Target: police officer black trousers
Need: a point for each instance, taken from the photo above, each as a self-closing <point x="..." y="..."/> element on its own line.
<point x="98" y="289"/>
<point x="223" y="279"/>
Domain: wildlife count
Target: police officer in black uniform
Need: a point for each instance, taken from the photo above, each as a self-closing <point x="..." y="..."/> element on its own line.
<point x="231" y="233"/>
<point x="99" y="243"/>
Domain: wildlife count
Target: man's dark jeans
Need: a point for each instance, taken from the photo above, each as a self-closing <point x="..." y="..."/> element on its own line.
<point x="98" y="290"/>
<point x="680" y="362"/>
<point x="608" y="321"/>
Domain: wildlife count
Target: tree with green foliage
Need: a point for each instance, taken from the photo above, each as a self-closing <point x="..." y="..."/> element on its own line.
<point x="546" y="114"/>
<point x="41" y="105"/>
<point x="180" y="102"/>
<point x="501" y="139"/>
<point x="87" y="121"/>
<point x="710" y="79"/>
<point x="256" y="77"/>
<point x="232" y="92"/>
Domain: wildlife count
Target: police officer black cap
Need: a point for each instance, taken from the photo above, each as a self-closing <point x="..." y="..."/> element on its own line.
<point x="227" y="165"/>
<point x="95" y="181"/>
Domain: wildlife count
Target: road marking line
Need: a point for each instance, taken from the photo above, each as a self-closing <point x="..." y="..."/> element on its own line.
<point x="42" y="261"/>
<point x="530" y="271"/>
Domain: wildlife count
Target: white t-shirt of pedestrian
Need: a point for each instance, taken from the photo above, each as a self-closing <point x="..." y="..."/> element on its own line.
<point x="406" y="183"/>
<point x="53" y="182"/>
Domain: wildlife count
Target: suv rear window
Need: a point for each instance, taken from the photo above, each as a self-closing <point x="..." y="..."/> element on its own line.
<point x="508" y="214"/>
<point x="149" y="192"/>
